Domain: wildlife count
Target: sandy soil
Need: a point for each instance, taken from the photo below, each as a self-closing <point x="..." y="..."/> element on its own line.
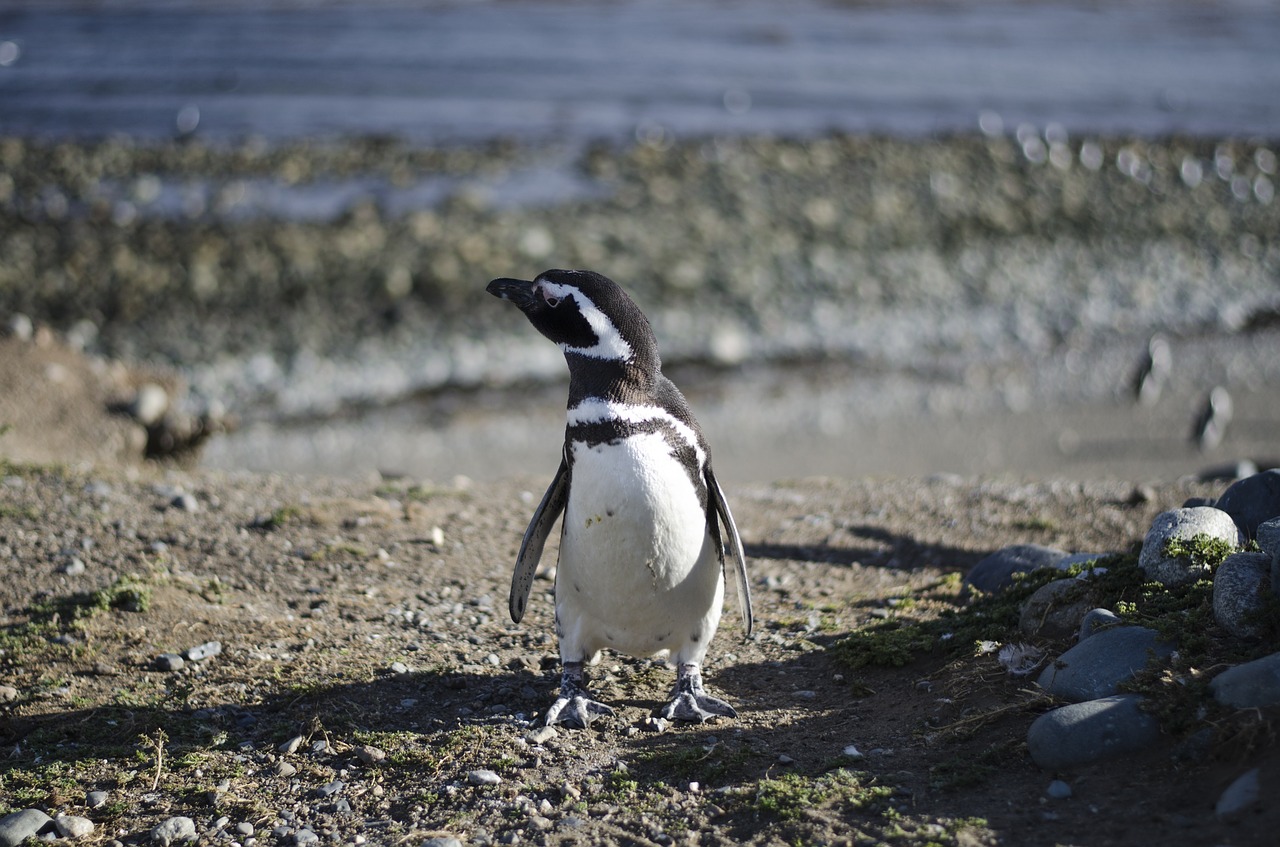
<point x="370" y="616"/>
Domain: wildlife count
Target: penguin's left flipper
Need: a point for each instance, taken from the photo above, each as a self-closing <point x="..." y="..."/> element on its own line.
<point x="535" y="538"/>
<point x="734" y="543"/>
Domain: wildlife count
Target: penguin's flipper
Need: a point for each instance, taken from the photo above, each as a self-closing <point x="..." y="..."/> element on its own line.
<point x="535" y="538"/>
<point x="734" y="543"/>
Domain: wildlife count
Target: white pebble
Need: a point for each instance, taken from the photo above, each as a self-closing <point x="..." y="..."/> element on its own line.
<point x="483" y="777"/>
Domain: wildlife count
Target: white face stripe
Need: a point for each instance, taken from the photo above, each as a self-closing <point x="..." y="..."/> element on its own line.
<point x="595" y="410"/>
<point x="611" y="344"/>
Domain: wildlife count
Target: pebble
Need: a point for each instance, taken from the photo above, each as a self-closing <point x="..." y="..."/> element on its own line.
<point x="1240" y="795"/>
<point x="330" y="788"/>
<point x="370" y="755"/>
<point x="305" y="836"/>
<point x="542" y="735"/>
<point x="1059" y="790"/>
<point x="292" y="745"/>
<point x="1240" y="589"/>
<point x="185" y="502"/>
<point x="285" y="769"/>
<point x="170" y="662"/>
<point x="1095" y="668"/>
<point x="442" y="841"/>
<point x="149" y="404"/>
<point x="73" y="567"/>
<point x="1091" y="731"/>
<point x="17" y="827"/>
<point x="1183" y="525"/>
<point x="483" y="777"/>
<point x="852" y="752"/>
<point x="1252" y="685"/>
<point x="174" y="830"/>
<point x="1252" y="501"/>
<point x="73" y="826"/>
<point x="244" y="828"/>
<point x="204" y="651"/>
<point x="996" y="571"/>
<point x="8" y="694"/>
<point x="97" y="799"/>
<point x="399" y="668"/>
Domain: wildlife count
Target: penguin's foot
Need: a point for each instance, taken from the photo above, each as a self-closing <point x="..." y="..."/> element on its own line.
<point x="574" y="707"/>
<point x="690" y="701"/>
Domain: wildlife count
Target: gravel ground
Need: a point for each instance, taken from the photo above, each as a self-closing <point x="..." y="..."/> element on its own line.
<point x="360" y="682"/>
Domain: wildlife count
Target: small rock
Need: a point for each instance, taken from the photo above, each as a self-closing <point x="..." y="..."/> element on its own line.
<point x="1240" y="795"/>
<point x="1091" y="731"/>
<point x="244" y="828"/>
<point x="483" y="777"/>
<point x="21" y="327"/>
<point x="370" y="755"/>
<point x="1096" y="667"/>
<point x="8" y="694"/>
<point x="149" y="404"/>
<point x="653" y="724"/>
<point x="285" y="769"/>
<point x="784" y="759"/>
<point x="169" y="662"/>
<point x="1268" y="537"/>
<point x="805" y="695"/>
<point x="73" y="567"/>
<point x="330" y="788"/>
<point x="1058" y="790"/>
<point x="73" y="826"/>
<point x="1182" y="525"/>
<point x="996" y="571"/>
<point x="292" y="745"/>
<point x="852" y="752"/>
<point x="442" y="841"/>
<point x="17" y="827"/>
<point x="174" y="830"/>
<point x="1240" y="592"/>
<point x="1252" y="501"/>
<point x="1253" y="685"/>
<point x="305" y="836"/>
<point x="97" y="799"/>
<point x="185" y="502"/>
<point x="399" y="668"/>
<point x="542" y="735"/>
<point x="1097" y="620"/>
<point x="204" y="651"/>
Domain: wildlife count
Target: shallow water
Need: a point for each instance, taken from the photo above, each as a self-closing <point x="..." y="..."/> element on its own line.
<point x="534" y="71"/>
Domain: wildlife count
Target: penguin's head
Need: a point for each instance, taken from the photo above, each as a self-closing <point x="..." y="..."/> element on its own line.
<point x="585" y="313"/>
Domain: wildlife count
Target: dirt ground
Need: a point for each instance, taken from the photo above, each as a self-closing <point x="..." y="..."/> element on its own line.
<point x="366" y="621"/>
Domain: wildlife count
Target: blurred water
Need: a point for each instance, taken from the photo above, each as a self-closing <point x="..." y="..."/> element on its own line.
<point x="466" y="71"/>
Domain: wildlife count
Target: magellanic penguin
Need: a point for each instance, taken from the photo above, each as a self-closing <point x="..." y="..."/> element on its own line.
<point x="641" y="550"/>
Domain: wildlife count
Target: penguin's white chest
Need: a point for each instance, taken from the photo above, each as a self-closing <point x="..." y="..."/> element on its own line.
<point x="638" y="570"/>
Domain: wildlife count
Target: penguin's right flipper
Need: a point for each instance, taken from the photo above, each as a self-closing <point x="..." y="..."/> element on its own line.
<point x="535" y="538"/>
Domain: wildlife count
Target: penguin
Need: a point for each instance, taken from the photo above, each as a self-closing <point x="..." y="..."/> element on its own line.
<point x="645" y="524"/>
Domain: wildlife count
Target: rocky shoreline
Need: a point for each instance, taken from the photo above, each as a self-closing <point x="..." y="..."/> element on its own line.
<point x="911" y="255"/>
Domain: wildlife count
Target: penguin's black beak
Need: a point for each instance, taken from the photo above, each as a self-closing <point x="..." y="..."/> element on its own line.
<point x="519" y="291"/>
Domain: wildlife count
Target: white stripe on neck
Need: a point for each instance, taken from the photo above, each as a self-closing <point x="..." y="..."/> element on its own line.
<point x="594" y="410"/>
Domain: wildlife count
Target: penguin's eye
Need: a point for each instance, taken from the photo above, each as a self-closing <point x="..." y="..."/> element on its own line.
<point x="550" y="299"/>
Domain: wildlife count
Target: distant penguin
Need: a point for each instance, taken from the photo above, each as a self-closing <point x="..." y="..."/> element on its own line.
<point x="642" y="554"/>
<point x="1153" y="373"/>
<point x="1212" y="420"/>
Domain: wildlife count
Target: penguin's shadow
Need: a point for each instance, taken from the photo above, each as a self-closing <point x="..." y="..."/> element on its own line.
<point x="871" y="546"/>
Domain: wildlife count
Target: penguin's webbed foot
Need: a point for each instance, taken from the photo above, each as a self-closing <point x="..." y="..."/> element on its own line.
<point x="574" y="707"/>
<point x="690" y="702"/>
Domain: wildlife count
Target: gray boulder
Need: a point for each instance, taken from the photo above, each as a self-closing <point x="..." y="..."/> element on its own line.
<point x="1253" y="685"/>
<point x="1091" y="731"/>
<point x="174" y="831"/>
<point x="1240" y="589"/>
<point x="1269" y="540"/>
<point x="996" y="571"/>
<point x="1096" y="666"/>
<point x="1182" y="525"/>
<point x="1252" y="501"/>
<point x="1240" y="795"/>
<point x="1056" y="609"/>
<point x="17" y="827"/>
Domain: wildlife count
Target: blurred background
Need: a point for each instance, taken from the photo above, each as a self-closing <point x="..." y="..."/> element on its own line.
<point x="1029" y="238"/>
